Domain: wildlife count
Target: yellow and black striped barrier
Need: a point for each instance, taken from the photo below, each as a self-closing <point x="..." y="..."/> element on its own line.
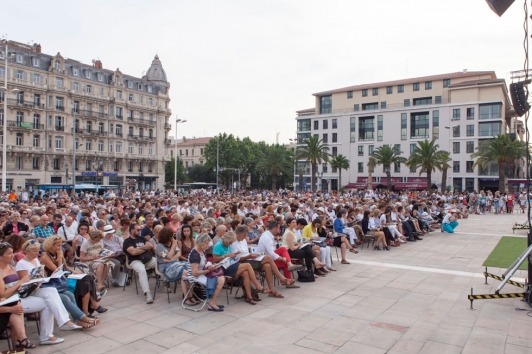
<point x="489" y="275"/>
<point x="473" y="297"/>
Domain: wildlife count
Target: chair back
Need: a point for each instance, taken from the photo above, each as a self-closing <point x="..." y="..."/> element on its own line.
<point x="128" y="266"/>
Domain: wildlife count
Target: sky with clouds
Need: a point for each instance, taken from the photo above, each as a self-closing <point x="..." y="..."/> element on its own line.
<point x="245" y="66"/>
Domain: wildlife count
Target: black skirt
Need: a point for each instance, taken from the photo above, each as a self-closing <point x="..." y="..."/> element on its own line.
<point x="231" y="270"/>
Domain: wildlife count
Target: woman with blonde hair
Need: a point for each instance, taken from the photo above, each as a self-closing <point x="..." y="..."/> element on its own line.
<point x="85" y="291"/>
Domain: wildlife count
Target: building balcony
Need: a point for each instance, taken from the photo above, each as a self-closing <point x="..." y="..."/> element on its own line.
<point x="59" y="108"/>
<point x="95" y="133"/>
<point x="90" y="114"/>
<point x="14" y="102"/>
<point x="140" y="137"/>
<point x="58" y="88"/>
<point x="21" y="148"/>
<point x="119" y="117"/>
<point x="22" y="82"/>
<point x="167" y="126"/>
<point x="167" y="141"/>
<point x="141" y="121"/>
<point x="24" y="125"/>
<point x="59" y="128"/>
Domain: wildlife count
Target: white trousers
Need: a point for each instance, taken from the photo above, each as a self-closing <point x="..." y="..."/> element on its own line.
<point x="48" y="302"/>
<point x="394" y="231"/>
<point x="351" y="233"/>
<point x="325" y="256"/>
<point x="140" y="269"/>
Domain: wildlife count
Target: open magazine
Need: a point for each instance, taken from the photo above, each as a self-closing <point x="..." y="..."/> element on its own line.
<point x="35" y="275"/>
<point x="106" y="255"/>
<point x="260" y="256"/>
<point x="10" y="300"/>
<point x="226" y="263"/>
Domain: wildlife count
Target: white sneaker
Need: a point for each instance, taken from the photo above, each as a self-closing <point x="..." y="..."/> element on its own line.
<point x="401" y="241"/>
<point x="149" y="298"/>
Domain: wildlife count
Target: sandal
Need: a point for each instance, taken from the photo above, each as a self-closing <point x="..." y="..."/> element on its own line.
<point x="288" y="281"/>
<point x="251" y="301"/>
<point x="331" y="269"/>
<point x="264" y="291"/>
<point x="27" y="344"/>
<point x="275" y="294"/>
<point x="85" y="325"/>
<point x="345" y="262"/>
<point x="352" y="250"/>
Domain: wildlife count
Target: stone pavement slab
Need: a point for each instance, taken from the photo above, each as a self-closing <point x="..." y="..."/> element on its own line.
<point x="412" y="299"/>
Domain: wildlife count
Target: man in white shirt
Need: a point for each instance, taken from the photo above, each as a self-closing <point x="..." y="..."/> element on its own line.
<point x="267" y="265"/>
<point x="280" y="255"/>
<point x="69" y="230"/>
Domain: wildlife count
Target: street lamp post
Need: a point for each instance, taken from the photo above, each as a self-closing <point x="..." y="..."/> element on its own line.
<point x="451" y="132"/>
<point x="319" y="175"/>
<point x="175" y="152"/>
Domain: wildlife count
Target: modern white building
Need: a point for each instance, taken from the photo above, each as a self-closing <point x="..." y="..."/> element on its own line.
<point x="355" y="120"/>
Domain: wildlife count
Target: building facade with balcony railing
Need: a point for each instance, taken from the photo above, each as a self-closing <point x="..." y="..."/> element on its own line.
<point x="60" y="98"/>
<point x="356" y="120"/>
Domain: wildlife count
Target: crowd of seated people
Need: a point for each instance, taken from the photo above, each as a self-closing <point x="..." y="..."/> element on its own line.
<point x="256" y="236"/>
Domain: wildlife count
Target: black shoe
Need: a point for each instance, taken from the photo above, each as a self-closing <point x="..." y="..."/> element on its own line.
<point x="411" y="239"/>
<point x="376" y="248"/>
<point x="320" y="272"/>
<point x="418" y="238"/>
<point x="387" y="248"/>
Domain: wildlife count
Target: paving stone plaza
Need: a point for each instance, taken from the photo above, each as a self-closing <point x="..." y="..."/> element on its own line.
<point x="410" y="300"/>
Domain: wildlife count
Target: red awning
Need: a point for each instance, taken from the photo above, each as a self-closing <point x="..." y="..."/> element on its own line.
<point x="410" y="185"/>
<point x="517" y="181"/>
<point x="357" y="185"/>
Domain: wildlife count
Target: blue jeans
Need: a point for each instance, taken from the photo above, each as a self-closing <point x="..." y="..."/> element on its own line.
<point x="450" y="227"/>
<point x="69" y="301"/>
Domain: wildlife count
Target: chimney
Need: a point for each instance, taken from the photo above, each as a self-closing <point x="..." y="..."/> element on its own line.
<point x="37" y="48"/>
<point x="184" y="139"/>
<point x="98" y="64"/>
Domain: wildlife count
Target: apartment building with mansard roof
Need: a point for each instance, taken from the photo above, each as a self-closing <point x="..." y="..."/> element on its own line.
<point x="459" y="110"/>
<point x="119" y="121"/>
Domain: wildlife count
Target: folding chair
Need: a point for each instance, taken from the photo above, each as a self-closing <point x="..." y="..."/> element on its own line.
<point x="160" y="278"/>
<point x="195" y="289"/>
<point x="130" y="273"/>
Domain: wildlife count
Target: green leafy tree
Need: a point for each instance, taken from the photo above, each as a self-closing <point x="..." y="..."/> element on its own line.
<point x="340" y="162"/>
<point x="502" y="149"/>
<point x="443" y="166"/>
<point x="169" y="172"/>
<point x="276" y="161"/>
<point x="372" y="163"/>
<point x="201" y="173"/>
<point x="426" y="157"/>
<point x="387" y="155"/>
<point x="315" y="152"/>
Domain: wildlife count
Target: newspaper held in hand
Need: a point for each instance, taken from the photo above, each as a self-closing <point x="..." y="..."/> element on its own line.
<point x="303" y="245"/>
<point x="9" y="300"/>
<point x="255" y="250"/>
<point x="58" y="273"/>
<point x="226" y="263"/>
<point x="105" y="255"/>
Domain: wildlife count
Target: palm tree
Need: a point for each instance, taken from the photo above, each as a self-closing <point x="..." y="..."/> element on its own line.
<point x="315" y="152"/>
<point x="275" y="161"/>
<point x="425" y="156"/>
<point x="386" y="155"/>
<point x="443" y="166"/>
<point x="502" y="149"/>
<point x="372" y="163"/>
<point x="341" y="163"/>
